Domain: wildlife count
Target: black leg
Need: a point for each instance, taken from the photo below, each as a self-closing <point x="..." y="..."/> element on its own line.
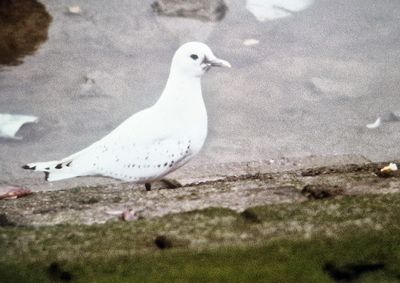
<point x="148" y="186"/>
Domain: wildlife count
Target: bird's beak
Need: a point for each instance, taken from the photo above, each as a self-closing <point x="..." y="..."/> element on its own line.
<point x="216" y="62"/>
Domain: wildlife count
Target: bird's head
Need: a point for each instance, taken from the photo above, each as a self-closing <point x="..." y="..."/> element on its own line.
<point x="195" y="59"/>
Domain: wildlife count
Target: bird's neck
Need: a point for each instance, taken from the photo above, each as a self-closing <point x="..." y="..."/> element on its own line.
<point x="181" y="105"/>
<point x="181" y="91"/>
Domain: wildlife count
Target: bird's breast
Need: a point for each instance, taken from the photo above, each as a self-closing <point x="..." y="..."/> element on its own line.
<point x="184" y="110"/>
<point x="194" y="125"/>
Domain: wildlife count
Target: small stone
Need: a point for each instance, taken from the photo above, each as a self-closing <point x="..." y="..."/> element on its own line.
<point x="206" y="10"/>
<point x="101" y="83"/>
<point x="311" y="172"/>
<point x="91" y="200"/>
<point x="322" y="85"/>
<point x="130" y="215"/>
<point x="171" y="183"/>
<point x="393" y="116"/>
<point x="390" y="170"/>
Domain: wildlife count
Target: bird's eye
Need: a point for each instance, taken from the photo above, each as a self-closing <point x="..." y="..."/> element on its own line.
<point x="194" y="56"/>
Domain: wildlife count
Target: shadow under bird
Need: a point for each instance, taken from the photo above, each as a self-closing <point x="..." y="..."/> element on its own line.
<point x="155" y="141"/>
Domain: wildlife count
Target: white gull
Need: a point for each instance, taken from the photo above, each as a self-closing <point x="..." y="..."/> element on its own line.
<point x="155" y="141"/>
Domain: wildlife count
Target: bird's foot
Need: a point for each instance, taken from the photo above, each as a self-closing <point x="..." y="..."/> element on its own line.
<point x="171" y="183"/>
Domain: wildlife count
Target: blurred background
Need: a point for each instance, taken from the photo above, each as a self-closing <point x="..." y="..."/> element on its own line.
<point x="309" y="77"/>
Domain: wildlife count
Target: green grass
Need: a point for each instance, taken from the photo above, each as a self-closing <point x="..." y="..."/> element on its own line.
<point x="275" y="243"/>
<point x="277" y="261"/>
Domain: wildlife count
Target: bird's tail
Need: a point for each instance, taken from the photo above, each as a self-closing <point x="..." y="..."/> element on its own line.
<point x="53" y="170"/>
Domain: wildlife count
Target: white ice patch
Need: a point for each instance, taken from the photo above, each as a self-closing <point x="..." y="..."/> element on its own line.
<point x="250" y="42"/>
<point x="10" y="124"/>
<point x="376" y="124"/>
<point x="275" y="9"/>
<point x="75" y="10"/>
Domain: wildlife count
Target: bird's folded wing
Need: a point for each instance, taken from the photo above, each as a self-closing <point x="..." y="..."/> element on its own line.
<point x="142" y="130"/>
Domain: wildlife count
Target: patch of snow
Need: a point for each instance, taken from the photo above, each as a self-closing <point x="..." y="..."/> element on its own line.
<point x="376" y="124"/>
<point x="11" y="123"/>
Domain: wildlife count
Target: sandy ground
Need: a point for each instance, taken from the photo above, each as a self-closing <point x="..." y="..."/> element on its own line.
<point x="308" y="88"/>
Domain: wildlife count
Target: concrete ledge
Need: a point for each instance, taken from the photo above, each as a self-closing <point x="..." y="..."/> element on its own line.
<point x="192" y="174"/>
<point x="233" y="186"/>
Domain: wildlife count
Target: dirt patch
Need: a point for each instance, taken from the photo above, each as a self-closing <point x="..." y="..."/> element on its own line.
<point x="23" y="27"/>
<point x="56" y="273"/>
<point x="351" y="272"/>
<point x="249" y="216"/>
<point x="4" y="221"/>
<point x="321" y="191"/>
<point x="163" y="242"/>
